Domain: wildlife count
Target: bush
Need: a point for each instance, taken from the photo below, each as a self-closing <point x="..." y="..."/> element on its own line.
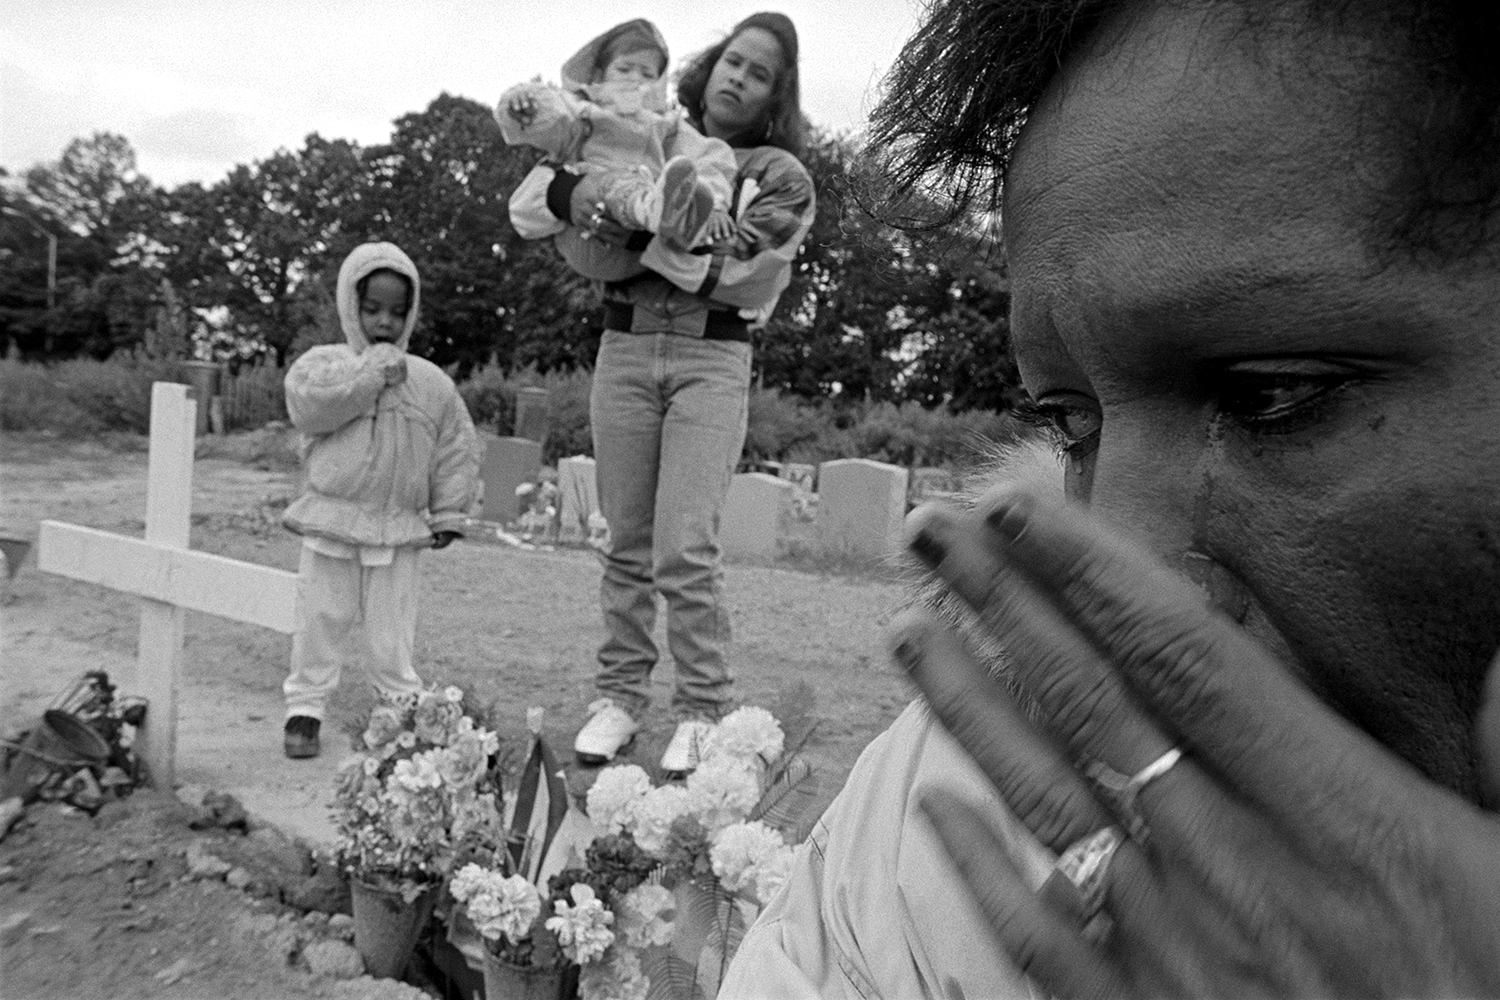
<point x="82" y="396"/>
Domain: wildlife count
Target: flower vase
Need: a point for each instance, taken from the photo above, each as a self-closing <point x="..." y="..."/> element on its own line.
<point x="504" y="981"/>
<point x="387" y="927"/>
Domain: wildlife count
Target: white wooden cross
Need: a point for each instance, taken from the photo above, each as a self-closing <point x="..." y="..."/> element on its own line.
<point x="170" y="577"/>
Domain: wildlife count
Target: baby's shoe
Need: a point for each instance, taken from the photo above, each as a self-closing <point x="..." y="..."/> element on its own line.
<point x="685" y="204"/>
<point x="683" y="752"/>
<point x="609" y="729"/>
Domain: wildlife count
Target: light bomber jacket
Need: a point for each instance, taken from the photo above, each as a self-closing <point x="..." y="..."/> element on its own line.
<point x="774" y="205"/>
<point x="385" y="465"/>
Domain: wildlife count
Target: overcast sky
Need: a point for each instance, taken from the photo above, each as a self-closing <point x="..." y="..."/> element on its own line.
<point x="200" y="86"/>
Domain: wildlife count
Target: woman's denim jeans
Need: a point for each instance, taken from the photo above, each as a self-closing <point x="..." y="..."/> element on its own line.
<point x="668" y="414"/>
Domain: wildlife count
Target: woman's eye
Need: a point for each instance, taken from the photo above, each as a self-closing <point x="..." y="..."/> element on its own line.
<point x="1074" y="423"/>
<point x="1275" y="400"/>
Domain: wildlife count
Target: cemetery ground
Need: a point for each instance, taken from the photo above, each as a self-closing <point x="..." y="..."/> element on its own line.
<point x="183" y="896"/>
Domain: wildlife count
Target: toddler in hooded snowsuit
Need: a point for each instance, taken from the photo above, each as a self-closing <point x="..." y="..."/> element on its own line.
<point x="611" y="115"/>
<point x="392" y="464"/>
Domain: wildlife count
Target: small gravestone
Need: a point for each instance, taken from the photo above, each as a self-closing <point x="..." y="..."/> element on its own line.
<point x="754" y="514"/>
<point x="861" y="506"/>
<point x="509" y="462"/>
<point x="532" y="419"/>
<point x="578" y="498"/>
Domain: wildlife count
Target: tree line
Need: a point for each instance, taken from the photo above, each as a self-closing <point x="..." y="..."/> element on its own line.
<point x="95" y="260"/>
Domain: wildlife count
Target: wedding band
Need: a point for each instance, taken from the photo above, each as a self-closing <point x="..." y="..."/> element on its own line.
<point x="1124" y="789"/>
<point x="1086" y="863"/>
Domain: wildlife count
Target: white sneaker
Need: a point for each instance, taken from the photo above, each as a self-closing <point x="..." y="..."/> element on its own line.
<point x="609" y="729"/>
<point x="687" y="742"/>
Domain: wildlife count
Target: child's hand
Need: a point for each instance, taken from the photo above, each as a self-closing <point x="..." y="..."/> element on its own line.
<point x="441" y="539"/>
<point x="395" y="372"/>
<point x="522" y="109"/>
<point x="720" y="227"/>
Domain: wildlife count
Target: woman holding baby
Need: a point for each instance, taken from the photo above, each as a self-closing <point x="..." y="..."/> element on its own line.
<point x="671" y="382"/>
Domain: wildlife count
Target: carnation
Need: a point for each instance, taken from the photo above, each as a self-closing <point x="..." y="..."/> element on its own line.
<point x="724" y="790"/>
<point x="386" y="723"/>
<point x="651" y="819"/>
<point x="582" y="928"/>
<point x="618" y="978"/>
<point x="646" y="915"/>
<point x="418" y="773"/>
<point x="614" y="794"/>
<point x="740" y="849"/>
<point x="746" y="732"/>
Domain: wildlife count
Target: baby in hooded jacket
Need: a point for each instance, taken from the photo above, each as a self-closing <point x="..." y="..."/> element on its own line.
<point x="392" y="466"/>
<point x="660" y="175"/>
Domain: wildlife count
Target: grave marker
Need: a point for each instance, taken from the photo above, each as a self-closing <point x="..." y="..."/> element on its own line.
<point x="532" y="419"/>
<point x="578" y="496"/>
<point x="170" y="578"/>
<point x="508" y="463"/>
<point x="754" y="513"/>
<point x="861" y="506"/>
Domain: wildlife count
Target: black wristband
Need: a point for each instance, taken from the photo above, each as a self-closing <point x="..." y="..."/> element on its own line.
<point x="638" y="241"/>
<point x="560" y="195"/>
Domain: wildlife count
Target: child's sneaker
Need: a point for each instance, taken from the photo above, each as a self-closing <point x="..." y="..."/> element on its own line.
<point x="300" y="738"/>
<point x="683" y="752"/>
<point x="685" y="204"/>
<point x="609" y="729"/>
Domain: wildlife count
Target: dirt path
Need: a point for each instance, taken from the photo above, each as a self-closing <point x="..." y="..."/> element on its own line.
<point x="516" y="627"/>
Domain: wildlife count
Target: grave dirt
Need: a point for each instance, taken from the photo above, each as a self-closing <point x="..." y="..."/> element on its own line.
<point x="516" y="628"/>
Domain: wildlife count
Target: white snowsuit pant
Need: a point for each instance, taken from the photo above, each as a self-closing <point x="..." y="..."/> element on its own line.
<point x="352" y="610"/>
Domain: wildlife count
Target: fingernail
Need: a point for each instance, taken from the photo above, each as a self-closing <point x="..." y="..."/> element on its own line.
<point x="1010" y="518"/>
<point x="926" y="545"/>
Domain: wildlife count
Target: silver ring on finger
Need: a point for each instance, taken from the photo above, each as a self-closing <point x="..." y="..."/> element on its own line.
<point x="1085" y="864"/>
<point x="1123" y="790"/>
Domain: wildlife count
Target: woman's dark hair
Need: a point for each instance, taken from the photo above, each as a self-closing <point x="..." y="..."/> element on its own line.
<point x="785" y="127"/>
<point x="963" y="85"/>
<point x="363" y="283"/>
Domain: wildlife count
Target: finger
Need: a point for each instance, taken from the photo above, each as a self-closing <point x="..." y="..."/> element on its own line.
<point x="1029" y="773"/>
<point x="1240" y="709"/>
<point x="1042" y="940"/>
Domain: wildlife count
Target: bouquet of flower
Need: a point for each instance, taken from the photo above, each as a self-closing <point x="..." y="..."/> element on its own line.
<point x="418" y="795"/>
<point x="680" y="870"/>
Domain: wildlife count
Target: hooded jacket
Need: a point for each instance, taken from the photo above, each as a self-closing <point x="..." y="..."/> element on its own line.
<point x="386" y="465"/>
<point x="614" y="126"/>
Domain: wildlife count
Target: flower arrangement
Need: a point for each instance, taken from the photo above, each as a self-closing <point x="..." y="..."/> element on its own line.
<point x="671" y="881"/>
<point x="418" y="794"/>
<point x="672" y="885"/>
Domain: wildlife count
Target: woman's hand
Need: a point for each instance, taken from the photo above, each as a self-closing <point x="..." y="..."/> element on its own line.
<point x="1286" y="853"/>
<point x="590" y="214"/>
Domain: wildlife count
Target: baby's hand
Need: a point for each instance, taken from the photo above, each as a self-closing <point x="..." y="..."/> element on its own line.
<point x="720" y="227"/>
<point x="522" y="109"/>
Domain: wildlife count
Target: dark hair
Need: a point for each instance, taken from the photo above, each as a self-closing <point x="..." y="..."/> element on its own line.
<point x="785" y="127"/>
<point x="363" y="283"/>
<point x="963" y="85"/>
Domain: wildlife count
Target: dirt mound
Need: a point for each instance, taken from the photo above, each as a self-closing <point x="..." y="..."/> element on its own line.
<point x="154" y="898"/>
